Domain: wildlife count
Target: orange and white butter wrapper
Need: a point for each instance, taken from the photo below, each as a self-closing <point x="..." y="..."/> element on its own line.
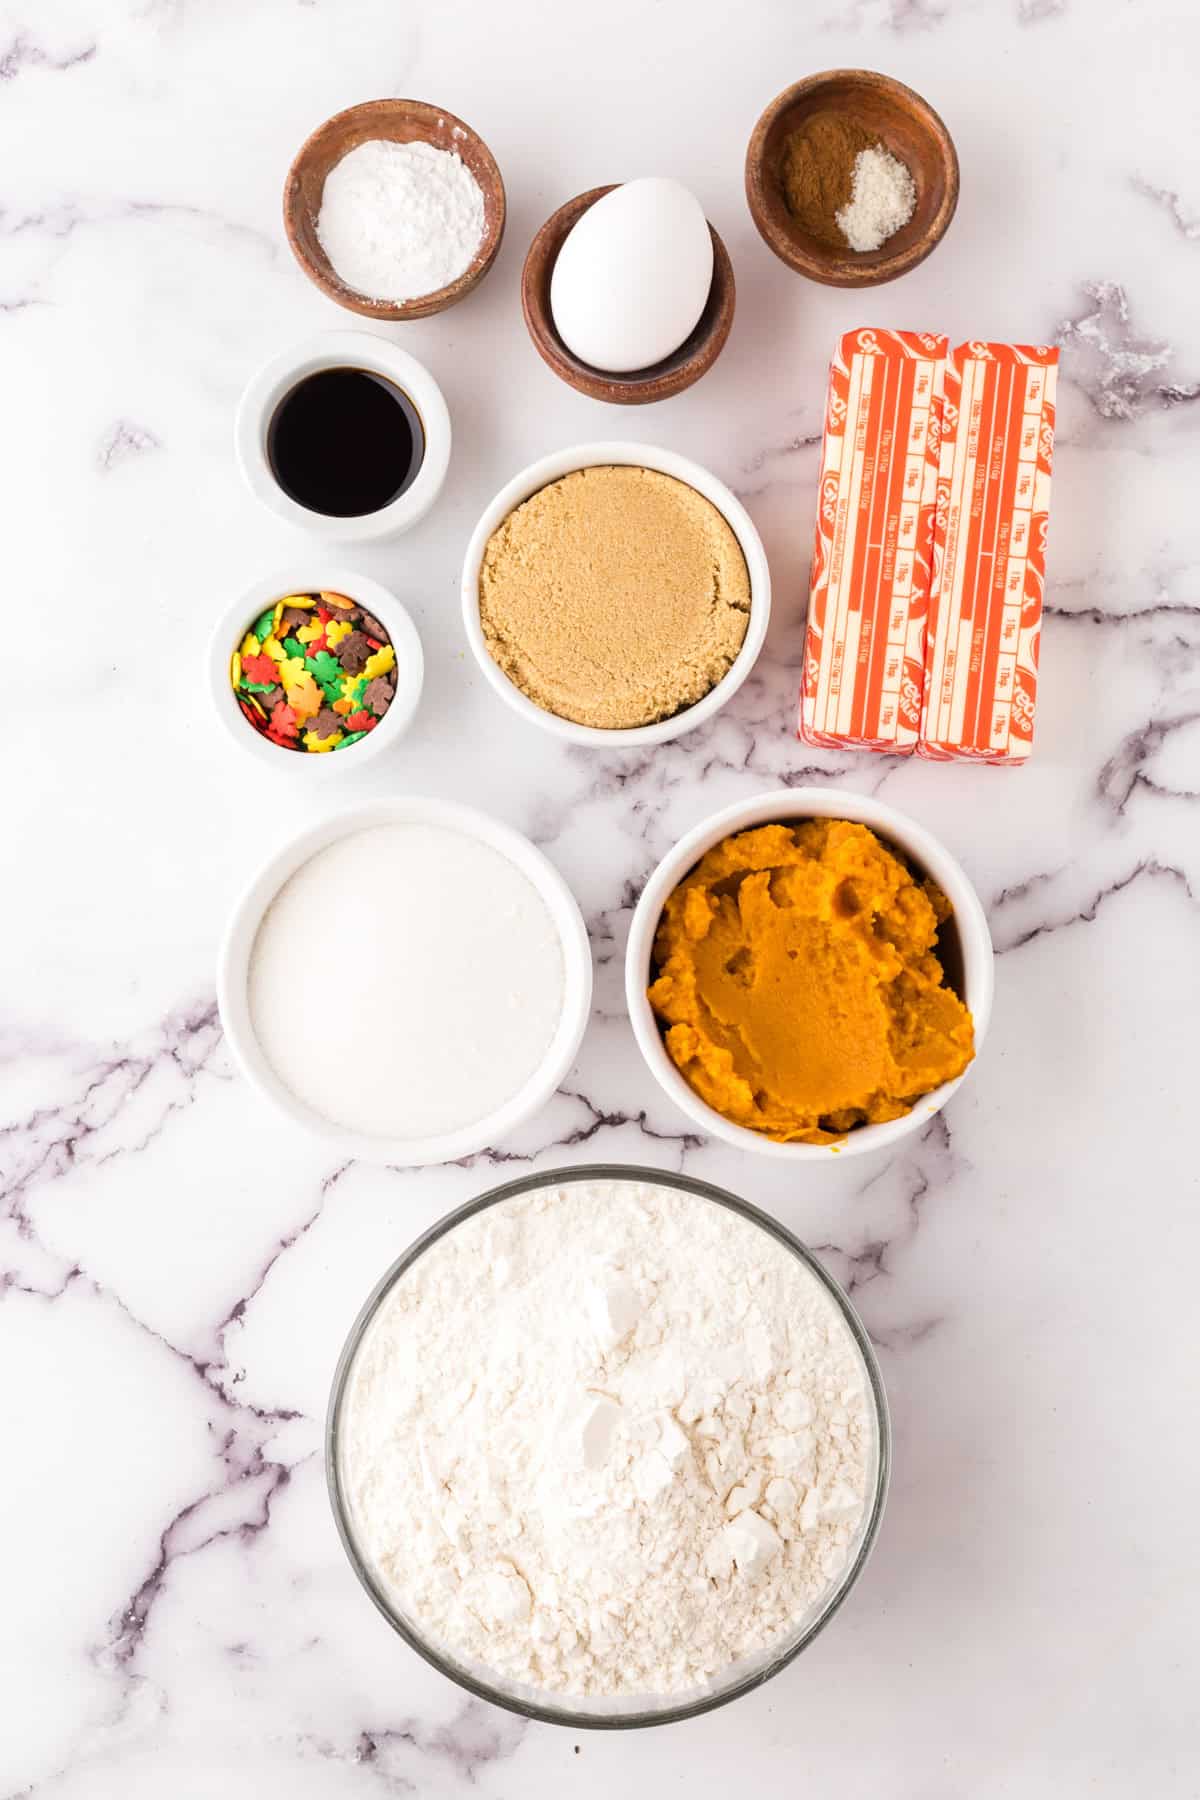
<point x="864" y="654"/>
<point x="993" y="502"/>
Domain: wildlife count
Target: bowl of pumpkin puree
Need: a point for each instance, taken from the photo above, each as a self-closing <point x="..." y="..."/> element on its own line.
<point x="809" y="974"/>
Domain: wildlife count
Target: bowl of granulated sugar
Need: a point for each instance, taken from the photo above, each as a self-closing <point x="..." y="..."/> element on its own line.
<point x="409" y="981"/>
<point x="395" y="209"/>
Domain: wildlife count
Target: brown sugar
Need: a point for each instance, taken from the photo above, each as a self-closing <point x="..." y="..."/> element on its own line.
<point x="615" y="596"/>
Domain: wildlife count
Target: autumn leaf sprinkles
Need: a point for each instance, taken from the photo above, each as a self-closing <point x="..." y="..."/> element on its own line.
<point x="314" y="673"/>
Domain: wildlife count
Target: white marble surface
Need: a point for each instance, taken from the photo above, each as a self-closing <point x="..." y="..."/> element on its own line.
<point x="178" y="1272"/>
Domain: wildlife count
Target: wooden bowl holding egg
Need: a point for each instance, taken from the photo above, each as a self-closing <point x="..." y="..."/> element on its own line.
<point x="903" y="124"/>
<point x="671" y="373"/>
<point x="398" y="122"/>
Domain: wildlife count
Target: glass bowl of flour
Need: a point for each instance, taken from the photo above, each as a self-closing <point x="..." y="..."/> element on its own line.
<point x="608" y="1447"/>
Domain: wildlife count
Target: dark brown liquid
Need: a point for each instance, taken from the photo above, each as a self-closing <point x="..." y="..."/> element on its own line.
<point x="345" y="442"/>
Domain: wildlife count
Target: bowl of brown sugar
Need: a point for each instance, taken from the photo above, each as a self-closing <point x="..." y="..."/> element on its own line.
<point x="615" y="594"/>
<point x="851" y="178"/>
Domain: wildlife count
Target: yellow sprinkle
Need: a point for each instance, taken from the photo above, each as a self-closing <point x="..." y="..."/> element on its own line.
<point x="379" y="662"/>
<point x="235" y="668"/>
<point x="249" y="644"/>
<point x="335" y="631"/>
<point x="307" y="633"/>
<point x="304" y="600"/>
<point x="313" y="742"/>
<point x="272" y="647"/>
<point x="277" y="617"/>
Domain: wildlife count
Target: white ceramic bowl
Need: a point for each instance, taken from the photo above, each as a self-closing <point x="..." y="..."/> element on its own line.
<point x="341" y="350"/>
<point x="786" y="806"/>
<point x="313" y="578"/>
<point x="234" y="965"/>
<point x="645" y="456"/>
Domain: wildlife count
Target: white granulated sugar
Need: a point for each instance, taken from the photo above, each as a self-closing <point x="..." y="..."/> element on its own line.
<point x="400" y="220"/>
<point x="606" y="1439"/>
<point x="882" y="199"/>
<point x="441" y="981"/>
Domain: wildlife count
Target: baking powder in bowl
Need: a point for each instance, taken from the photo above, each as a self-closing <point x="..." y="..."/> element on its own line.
<point x="406" y="981"/>
<point x="398" y="221"/>
<point x="646" y="1460"/>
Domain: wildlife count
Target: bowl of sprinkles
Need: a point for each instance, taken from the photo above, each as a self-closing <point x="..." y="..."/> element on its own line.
<point x="311" y="668"/>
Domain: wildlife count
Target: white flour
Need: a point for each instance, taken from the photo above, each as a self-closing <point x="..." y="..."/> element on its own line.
<point x="607" y="1438"/>
<point x="400" y="220"/>
<point x="407" y="980"/>
<point x="882" y="199"/>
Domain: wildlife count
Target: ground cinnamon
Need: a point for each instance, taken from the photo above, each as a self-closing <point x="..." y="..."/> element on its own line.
<point x="816" y="173"/>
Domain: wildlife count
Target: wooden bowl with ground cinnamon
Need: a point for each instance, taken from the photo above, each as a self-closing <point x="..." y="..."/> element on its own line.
<point x="800" y="176"/>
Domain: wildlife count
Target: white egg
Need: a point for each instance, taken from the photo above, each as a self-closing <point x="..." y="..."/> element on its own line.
<point x="633" y="276"/>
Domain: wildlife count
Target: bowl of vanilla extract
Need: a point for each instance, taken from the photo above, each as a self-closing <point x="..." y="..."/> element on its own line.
<point x="345" y="435"/>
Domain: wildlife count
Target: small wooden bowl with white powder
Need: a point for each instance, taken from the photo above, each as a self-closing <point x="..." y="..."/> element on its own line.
<point x="395" y="209"/>
<point x="409" y="980"/>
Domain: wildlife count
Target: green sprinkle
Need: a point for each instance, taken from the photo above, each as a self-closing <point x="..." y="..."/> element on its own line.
<point x="262" y="627"/>
<point x="351" y="737"/>
<point x="327" y="672"/>
<point x="294" y="647"/>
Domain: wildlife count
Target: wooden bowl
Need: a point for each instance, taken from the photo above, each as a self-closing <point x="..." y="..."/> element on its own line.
<point x="904" y="124"/>
<point x="694" y="357"/>
<point x="403" y="122"/>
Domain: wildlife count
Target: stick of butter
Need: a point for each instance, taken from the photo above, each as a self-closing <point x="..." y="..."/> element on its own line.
<point x="993" y="500"/>
<point x="864" y="651"/>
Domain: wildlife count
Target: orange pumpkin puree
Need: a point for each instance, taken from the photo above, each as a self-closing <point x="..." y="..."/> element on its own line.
<point x="796" y="978"/>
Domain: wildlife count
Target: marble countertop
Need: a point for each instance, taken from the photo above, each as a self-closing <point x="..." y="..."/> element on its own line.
<point x="177" y="1272"/>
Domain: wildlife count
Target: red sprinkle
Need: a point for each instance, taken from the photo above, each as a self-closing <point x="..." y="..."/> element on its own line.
<point x="283" y="722"/>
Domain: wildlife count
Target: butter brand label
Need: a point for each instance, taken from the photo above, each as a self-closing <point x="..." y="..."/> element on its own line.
<point x="872" y="563"/>
<point x="989" y="566"/>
